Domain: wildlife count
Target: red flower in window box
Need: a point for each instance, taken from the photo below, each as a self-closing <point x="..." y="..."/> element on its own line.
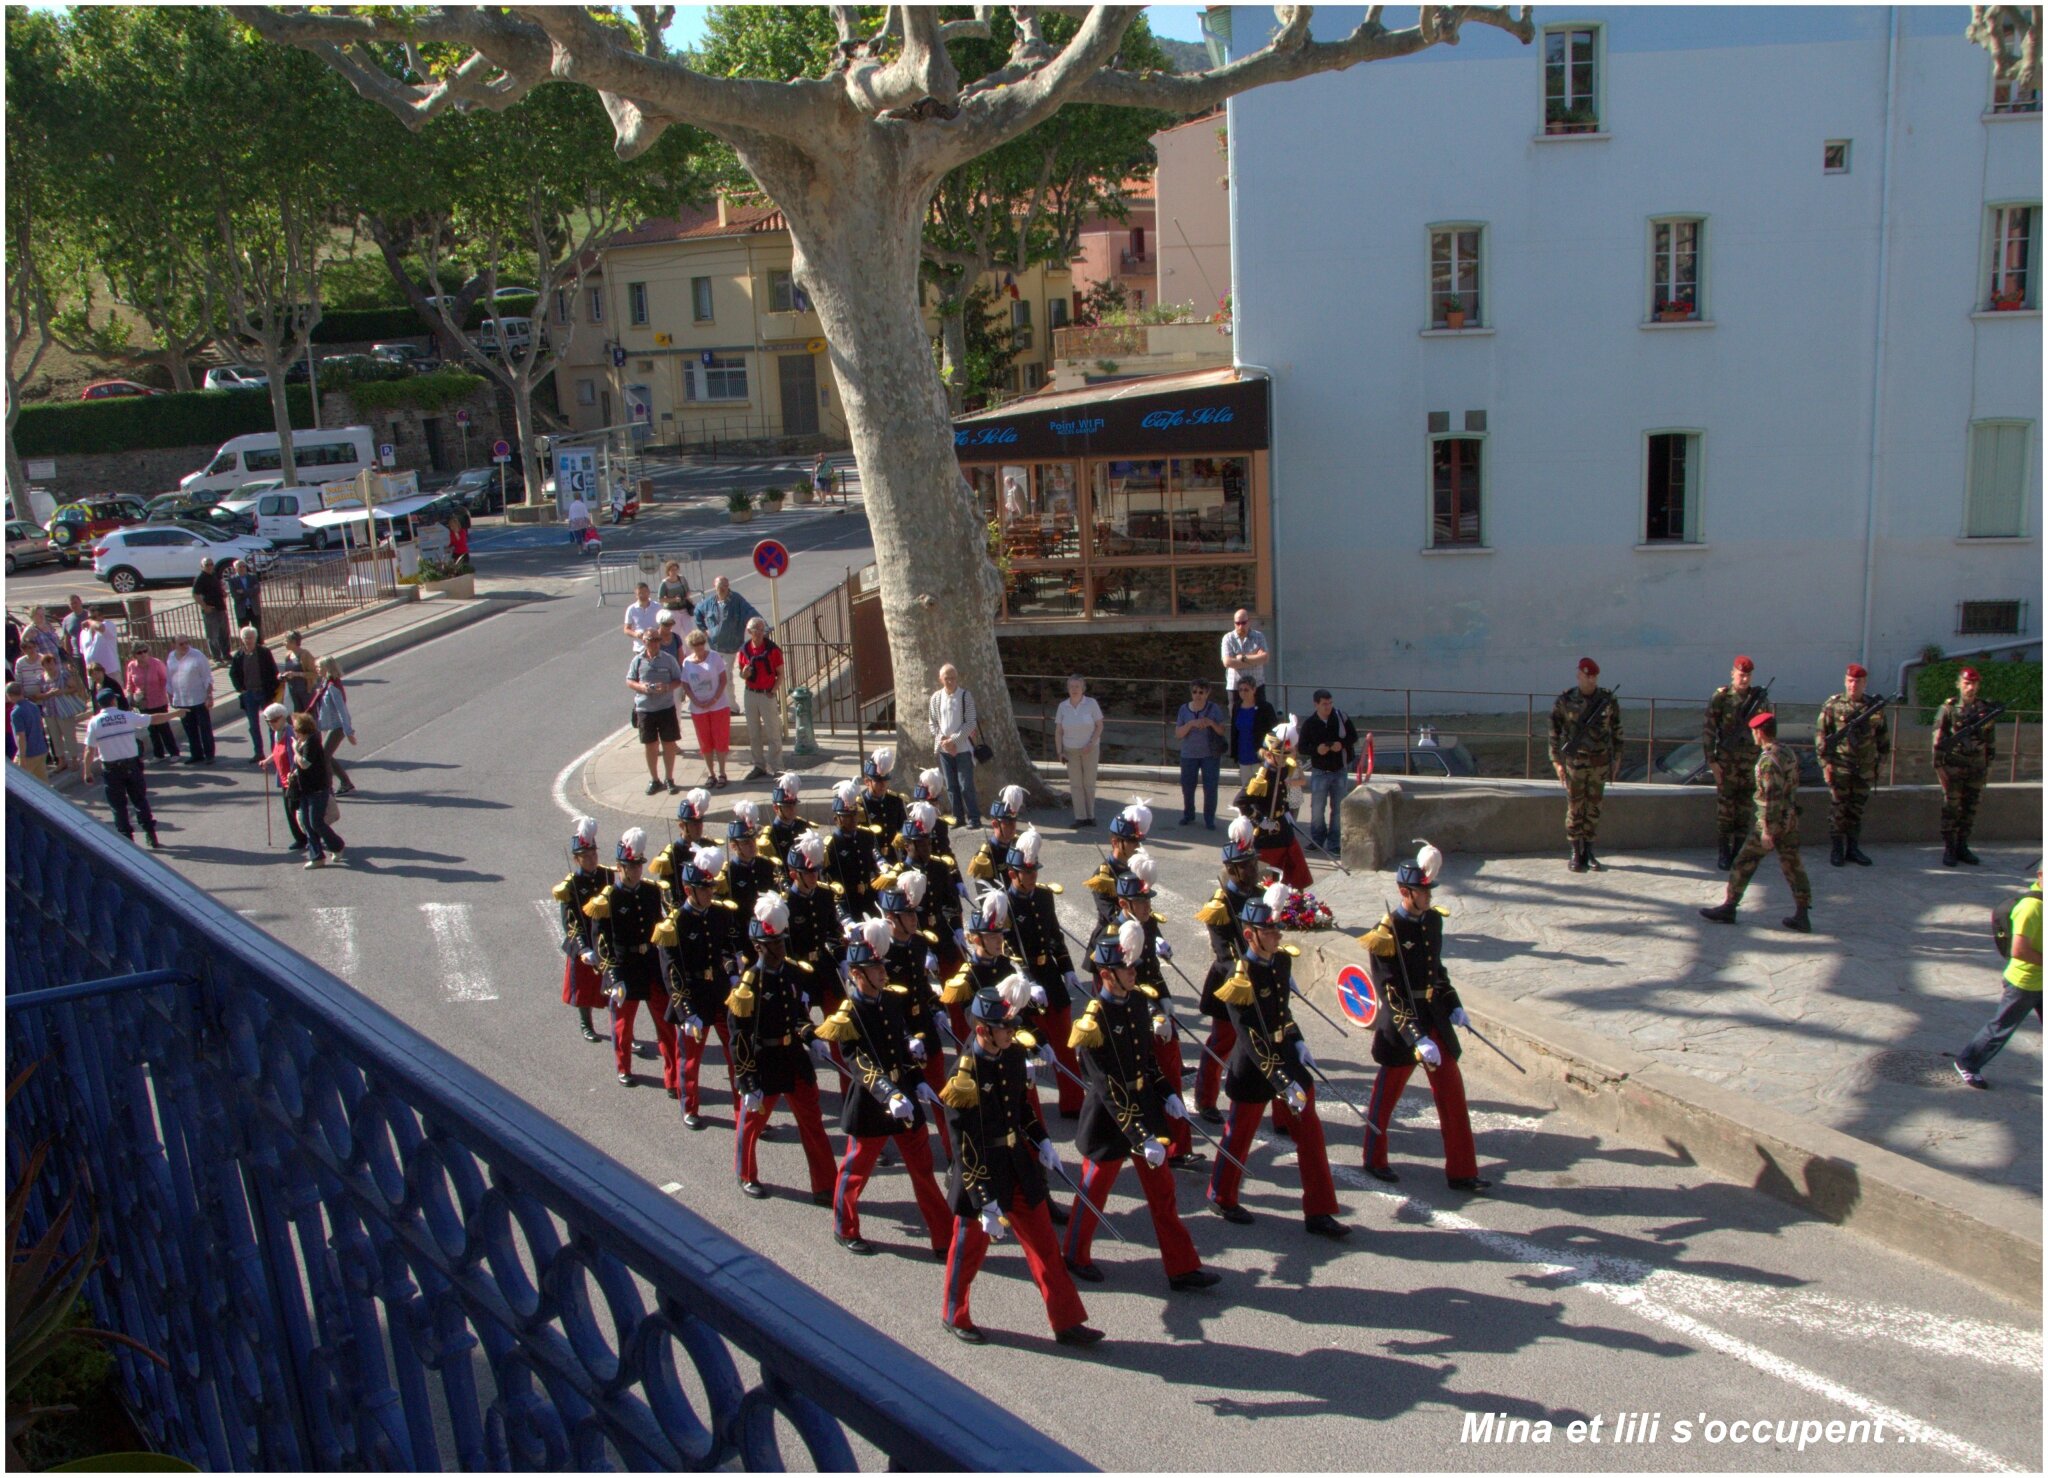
<point x="2008" y="302"/>
<point x="1674" y="310"/>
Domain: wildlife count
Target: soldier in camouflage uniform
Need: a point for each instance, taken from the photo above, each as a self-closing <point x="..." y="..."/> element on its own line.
<point x="1776" y="830"/>
<point x="1857" y="754"/>
<point x="1731" y="750"/>
<point x="1585" y="771"/>
<point x="1962" y="763"/>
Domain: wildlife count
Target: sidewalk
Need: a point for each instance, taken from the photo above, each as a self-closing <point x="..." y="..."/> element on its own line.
<point x="615" y="777"/>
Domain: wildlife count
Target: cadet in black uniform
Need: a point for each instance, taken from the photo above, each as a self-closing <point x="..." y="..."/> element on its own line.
<point x="1043" y="958"/>
<point x="624" y="916"/>
<point x="771" y="1054"/>
<point x="931" y="789"/>
<point x="1005" y="815"/>
<point x="881" y="808"/>
<point x="987" y="931"/>
<point x="850" y="860"/>
<point x="698" y="938"/>
<point x="747" y="873"/>
<point x="1238" y="887"/>
<point x="787" y="825"/>
<point x="945" y="903"/>
<point x="1127" y="831"/>
<point x="690" y="813"/>
<point x="1268" y="799"/>
<point x="906" y="960"/>
<point x="582" y="985"/>
<point x="1134" y="897"/>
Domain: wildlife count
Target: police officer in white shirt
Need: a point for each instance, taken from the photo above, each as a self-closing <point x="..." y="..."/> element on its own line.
<point x="113" y="736"/>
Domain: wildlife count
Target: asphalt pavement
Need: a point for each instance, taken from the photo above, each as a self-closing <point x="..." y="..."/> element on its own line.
<point x="1600" y="1279"/>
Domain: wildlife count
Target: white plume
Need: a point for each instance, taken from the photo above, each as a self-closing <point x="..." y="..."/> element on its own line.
<point x="811" y="847"/>
<point x="1276" y="896"/>
<point x="1130" y="938"/>
<point x="634" y="840"/>
<point x="772" y="913"/>
<point x="699" y="799"/>
<point x="933" y="781"/>
<point x="1028" y="842"/>
<point x="1139" y="814"/>
<point x="709" y="859"/>
<point x="788" y="787"/>
<point x="748" y="814"/>
<point x="875" y="933"/>
<point x="1242" y="831"/>
<point x="912" y="884"/>
<point x="925" y="814"/>
<point x="1286" y="735"/>
<point x="883" y="760"/>
<point x="1015" y="991"/>
<point x="1144" y="866"/>
<point x="994" y="904"/>
<point x="1013" y="796"/>
<point x="1429" y="859"/>
<point x="844" y="793"/>
<point x="585" y="830"/>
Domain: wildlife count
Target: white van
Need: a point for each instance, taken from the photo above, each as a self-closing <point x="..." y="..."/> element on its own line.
<point x="320" y="457"/>
<point x="518" y="333"/>
<point x="277" y="511"/>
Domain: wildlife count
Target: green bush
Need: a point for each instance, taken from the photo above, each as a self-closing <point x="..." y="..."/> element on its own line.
<point x="398" y="321"/>
<point x="435" y="392"/>
<point x="2016" y="684"/>
<point x="76" y="428"/>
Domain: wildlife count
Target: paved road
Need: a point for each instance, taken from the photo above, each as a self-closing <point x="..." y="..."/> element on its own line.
<point x="1603" y="1278"/>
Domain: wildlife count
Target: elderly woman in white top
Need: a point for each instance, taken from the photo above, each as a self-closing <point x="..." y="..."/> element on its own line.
<point x="1077" y="734"/>
<point x="955" y="730"/>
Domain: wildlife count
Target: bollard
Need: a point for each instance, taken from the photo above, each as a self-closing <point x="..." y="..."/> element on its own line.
<point x="800" y="721"/>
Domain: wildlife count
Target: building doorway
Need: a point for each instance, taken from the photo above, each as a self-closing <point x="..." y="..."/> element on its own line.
<point x="430" y="429"/>
<point x="799" y="373"/>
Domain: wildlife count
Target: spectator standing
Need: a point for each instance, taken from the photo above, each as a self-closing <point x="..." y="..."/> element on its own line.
<point x="723" y="616"/>
<point x="671" y="642"/>
<point x="25" y="727"/>
<point x="1329" y="739"/>
<point x="1245" y="653"/>
<point x="295" y="666"/>
<point x="99" y="650"/>
<point x="674" y="592"/>
<point x="821" y="478"/>
<point x="72" y="630"/>
<point x="190" y="689"/>
<point x="642" y="616"/>
<point x="2022" y="988"/>
<point x="577" y="519"/>
<point x="330" y="712"/>
<point x="1251" y="720"/>
<point x="956" y="729"/>
<point x="253" y="671"/>
<point x="759" y="662"/>
<point x="211" y="596"/>
<point x="114" y="738"/>
<point x="1204" y="734"/>
<point x="63" y="700"/>
<point x="653" y="676"/>
<point x="245" y="588"/>
<point x="277" y="722"/>
<point x="1077" y="737"/>
<point x="149" y="690"/>
<point x="40" y="637"/>
<point x="709" y="681"/>
<point x="316" y="782"/>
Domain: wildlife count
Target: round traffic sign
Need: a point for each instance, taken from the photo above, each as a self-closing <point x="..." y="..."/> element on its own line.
<point x="1356" y="996"/>
<point x="462" y="415"/>
<point x="501" y="448"/>
<point x="771" y="559"/>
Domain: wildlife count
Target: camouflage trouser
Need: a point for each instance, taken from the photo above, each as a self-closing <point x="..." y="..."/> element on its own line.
<point x="1583" y="786"/>
<point x="1962" y="782"/>
<point x="1753" y="853"/>
<point x="1850" y="792"/>
<point x="1735" y="797"/>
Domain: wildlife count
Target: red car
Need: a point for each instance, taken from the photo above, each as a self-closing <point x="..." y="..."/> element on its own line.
<point x="108" y="389"/>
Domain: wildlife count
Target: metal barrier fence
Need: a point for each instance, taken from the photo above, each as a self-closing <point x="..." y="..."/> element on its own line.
<point x="356" y="1251"/>
<point x="617" y="574"/>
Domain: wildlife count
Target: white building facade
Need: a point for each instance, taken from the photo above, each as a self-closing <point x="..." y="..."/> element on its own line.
<point x="1679" y="333"/>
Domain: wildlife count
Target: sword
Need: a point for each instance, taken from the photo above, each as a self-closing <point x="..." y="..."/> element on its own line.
<point x="1081" y="1200"/>
<point x="1497" y="1052"/>
<point x="1370" y="1127"/>
<point x="819" y="1054"/>
<point x="1401" y="959"/>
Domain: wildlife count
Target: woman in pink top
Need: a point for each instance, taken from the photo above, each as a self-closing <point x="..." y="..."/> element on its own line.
<point x="148" y="683"/>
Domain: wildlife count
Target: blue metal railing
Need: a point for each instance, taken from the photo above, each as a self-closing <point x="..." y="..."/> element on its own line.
<point x="356" y="1251"/>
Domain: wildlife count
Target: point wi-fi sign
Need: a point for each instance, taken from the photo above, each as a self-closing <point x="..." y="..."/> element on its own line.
<point x="1356" y="996"/>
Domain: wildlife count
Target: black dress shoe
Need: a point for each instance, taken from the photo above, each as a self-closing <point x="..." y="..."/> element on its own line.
<point x="1235" y="1215"/>
<point x="1085" y="1272"/>
<point x="1211" y="1114"/>
<point x="1380" y="1172"/>
<point x="821" y="1198"/>
<point x="967" y="1334"/>
<point x="1285" y="1131"/>
<point x="858" y="1246"/>
<point x="1192" y="1160"/>
<point x="1189" y="1282"/>
<point x="1327" y="1226"/>
<point x="625" y="1080"/>
<point x="755" y="1189"/>
<point x="767" y="1131"/>
<point x="1471" y="1185"/>
<point x="693" y="1121"/>
<point x="589" y="1033"/>
<point x="675" y="1093"/>
<point x="1057" y="1212"/>
<point x="1079" y="1336"/>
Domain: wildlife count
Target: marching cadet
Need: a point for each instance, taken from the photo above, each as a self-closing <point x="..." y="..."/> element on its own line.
<point x="1854" y="740"/>
<point x="986" y="963"/>
<point x="582" y="985"/>
<point x="1585" y="751"/>
<point x="931" y="788"/>
<point x="1268" y="1061"/>
<point x="1776" y="830"/>
<point x="1965" y="748"/>
<point x="698" y="939"/>
<point x="1268" y="799"/>
<point x="888" y="1096"/>
<point x="1043" y="958"/>
<point x="881" y="807"/>
<point x="747" y="873"/>
<point x="850" y="860"/>
<point x="815" y="935"/>
<point x="1731" y="750"/>
<point x="771" y="1054"/>
<point x="625" y="915"/>
<point x="906" y="962"/>
<point x="1127" y="1113"/>
<point x="1420" y="1010"/>
<point x="998" y="1177"/>
<point x="946" y="901"/>
<point x="1127" y="832"/>
<point x="1239" y="886"/>
<point x="1134" y="894"/>
<point x="691" y="812"/>
<point x="1005" y="814"/>
<point x="787" y="825"/>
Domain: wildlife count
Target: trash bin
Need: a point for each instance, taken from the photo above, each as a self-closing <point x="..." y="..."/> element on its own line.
<point x="800" y="721"/>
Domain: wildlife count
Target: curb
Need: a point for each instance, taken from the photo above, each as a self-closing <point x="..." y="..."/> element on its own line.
<point x="1990" y="1235"/>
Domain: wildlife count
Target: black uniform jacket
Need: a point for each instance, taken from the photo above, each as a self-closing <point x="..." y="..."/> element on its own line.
<point x="1126" y="1104"/>
<point x="771" y="1031"/>
<point x="572" y="893"/>
<point x="1226" y="941"/>
<point x="1035" y="935"/>
<point x="850" y="862"/>
<point x="624" y="921"/>
<point x="995" y="1133"/>
<point x="1267" y="1053"/>
<point x="696" y="951"/>
<point x="874" y="1037"/>
<point x="1415" y="1001"/>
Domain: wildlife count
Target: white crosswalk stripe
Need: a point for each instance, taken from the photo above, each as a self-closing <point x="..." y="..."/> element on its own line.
<point x="459" y="957"/>
<point x="550" y="919"/>
<point x="334" y="940"/>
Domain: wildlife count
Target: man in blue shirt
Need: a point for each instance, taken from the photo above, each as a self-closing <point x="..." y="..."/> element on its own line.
<point x="723" y="617"/>
<point x="1204" y="734"/>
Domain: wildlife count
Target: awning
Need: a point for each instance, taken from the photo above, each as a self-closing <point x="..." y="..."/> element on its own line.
<point x="1200" y="411"/>
<point x="331" y="518"/>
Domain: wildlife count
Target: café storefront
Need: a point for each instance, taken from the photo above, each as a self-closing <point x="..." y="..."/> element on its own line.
<point x="1135" y="505"/>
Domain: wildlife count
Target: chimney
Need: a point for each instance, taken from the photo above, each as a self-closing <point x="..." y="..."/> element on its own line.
<point x="723" y="219"/>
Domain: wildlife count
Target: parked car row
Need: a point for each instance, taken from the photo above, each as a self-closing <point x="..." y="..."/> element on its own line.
<point x="128" y="559"/>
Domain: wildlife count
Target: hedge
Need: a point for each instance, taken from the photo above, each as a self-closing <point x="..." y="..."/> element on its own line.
<point x="435" y="392"/>
<point x="398" y="321"/>
<point x="2016" y="684"/>
<point x="76" y="428"/>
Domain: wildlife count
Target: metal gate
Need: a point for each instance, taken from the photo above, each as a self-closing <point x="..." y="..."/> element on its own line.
<point x="617" y="574"/>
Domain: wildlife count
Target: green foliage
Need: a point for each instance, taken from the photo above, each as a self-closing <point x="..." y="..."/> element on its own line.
<point x="444" y="388"/>
<point x="2016" y="684"/>
<point x="737" y="501"/>
<point x="76" y="428"/>
<point x="991" y="345"/>
<point x="1109" y="301"/>
<point x="367" y="325"/>
<point x="73" y="1375"/>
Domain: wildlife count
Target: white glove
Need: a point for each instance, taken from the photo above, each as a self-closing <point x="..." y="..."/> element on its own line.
<point x="1038" y="996"/>
<point x="1049" y="1155"/>
<point x="924" y="1091"/>
<point x="1427" y="1051"/>
<point x="1175" y="1107"/>
<point x="1155" y="1153"/>
<point x="750" y="1102"/>
<point x="917" y="1048"/>
<point x="1162" y="1028"/>
<point x="1163" y="950"/>
<point x="1073" y="981"/>
<point x="1459" y="1018"/>
<point x="901" y="1108"/>
<point x="992" y="1223"/>
<point x="693" y="1028"/>
<point x="1296" y="1099"/>
<point x="590" y="958"/>
<point x="931" y="962"/>
<point x="1045" y="1054"/>
<point x="1307" y="1057"/>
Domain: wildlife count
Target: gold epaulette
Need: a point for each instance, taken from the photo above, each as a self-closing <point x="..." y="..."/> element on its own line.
<point x="959" y="989"/>
<point x="838" y="1027"/>
<point x="1215" y="913"/>
<point x="1102" y="883"/>
<point x="1087" y="1031"/>
<point x="1028" y="1040"/>
<point x="980" y="868"/>
<point x="1380" y="938"/>
<point x="961" y="1091"/>
<point x="1236" y="991"/>
<point x="1256" y="786"/>
<point x="1160" y="919"/>
<point x="947" y="858"/>
<point x="665" y="933"/>
<point x="722" y="885"/>
<point x="740" y="1000"/>
<point x="1151" y="992"/>
<point x="562" y="889"/>
<point x="726" y="903"/>
<point x="765" y="837"/>
<point x="660" y="868"/>
<point x="1440" y="909"/>
<point x="599" y="907"/>
<point x="882" y="880"/>
<point x="1292" y="951"/>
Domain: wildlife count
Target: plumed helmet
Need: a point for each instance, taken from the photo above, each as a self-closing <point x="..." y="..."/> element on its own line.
<point x="1285" y="735"/>
<point x="632" y="845"/>
<point x="878" y="765"/>
<point x="771" y="918"/>
<point x="989" y="1008"/>
<point x="925" y="814"/>
<point x="1135" y="820"/>
<point x="1014" y="990"/>
<point x="867" y="941"/>
<point x="806" y="853"/>
<point x="1130" y="937"/>
<point x="1107" y="954"/>
<point x="931" y="784"/>
<point x="702" y="869"/>
<point x="1136" y="879"/>
<point x="1239" y="839"/>
<point x="1429" y="859"/>
<point x="913" y="884"/>
<point x="845" y="798"/>
<point x="583" y="835"/>
<point x="1024" y="854"/>
<point x="745" y="822"/>
<point x="693" y="805"/>
<point x="913" y="830"/>
<point x="990" y="911"/>
<point x="1264" y="910"/>
<point x="1008" y="804"/>
<point x="787" y="789"/>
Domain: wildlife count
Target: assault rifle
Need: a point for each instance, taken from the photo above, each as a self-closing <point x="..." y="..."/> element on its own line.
<point x="1587" y="719"/>
<point x="1992" y="713"/>
<point x="1752" y="704"/>
<point x="1832" y="744"/>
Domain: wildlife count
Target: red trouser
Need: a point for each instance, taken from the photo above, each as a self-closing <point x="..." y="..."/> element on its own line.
<point x="1447" y="1086"/>
<point x="957" y="1015"/>
<point x="1033" y="1228"/>
<point x="693" y="1059"/>
<point x="1209" y="1076"/>
<point x="1289" y="862"/>
<point x="1057" y="1020"/>
<point x="915" y="1145"/>
<point x="1318" y="1191"/>
<point x="1168" y="1053"/>
<point x="810" y="1128"/>
<point x="1176" y="1248"/>
<point x="664" y="1034"/>
<point x="935" y="1074"/>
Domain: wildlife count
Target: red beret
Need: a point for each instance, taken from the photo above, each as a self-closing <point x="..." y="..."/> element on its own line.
<point x="1857" y="669"/>
<point x="1761" y="719"/>
<point x="1743" y="664"/>
<point x="1969" y="675"/>
<point x="1588" y="666"/>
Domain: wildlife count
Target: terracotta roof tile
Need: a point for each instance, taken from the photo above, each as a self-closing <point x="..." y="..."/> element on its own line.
<point x="702" y="225"/>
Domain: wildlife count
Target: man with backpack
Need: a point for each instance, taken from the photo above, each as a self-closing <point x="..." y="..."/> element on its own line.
<point x="2017" y="928"/>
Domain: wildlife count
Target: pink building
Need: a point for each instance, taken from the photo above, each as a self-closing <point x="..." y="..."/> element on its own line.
<point x="1123" y="251"/>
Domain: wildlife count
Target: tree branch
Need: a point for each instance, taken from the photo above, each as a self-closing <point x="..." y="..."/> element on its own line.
<point x="995" y="114"/>
<point x="923" y="70"/>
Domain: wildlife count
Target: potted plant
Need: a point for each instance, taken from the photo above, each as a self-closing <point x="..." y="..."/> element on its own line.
<point x="739" y="507"/>
<point x="802" y="493"/>
<point x="453" y="580"/>
<point x="1674" y="310"/>
<point x="2008" y="300"/>
<point x="771" y="500"/>
<point x="1454" y="312"/>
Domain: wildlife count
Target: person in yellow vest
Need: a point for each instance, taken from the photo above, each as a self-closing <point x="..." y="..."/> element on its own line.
<point x="2022" y="987"/>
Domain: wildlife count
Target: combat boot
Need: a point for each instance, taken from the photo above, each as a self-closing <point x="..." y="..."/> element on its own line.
<point x="1725" y="857"/>
<point x="1948" y="849"/>
<point x="1591" y="861"/>
<point x="1963" y="852"/>
<point x="1855" y="853"/>
<point x="1578" y="862"/>
<point x="1722" y="914"/>
<point x="1836" y="852"/>
<point x="1799" y="922"/>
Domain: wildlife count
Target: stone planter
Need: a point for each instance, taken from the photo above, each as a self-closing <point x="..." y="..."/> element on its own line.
<point x="805" y="497"/>
<point x="458" y="587"/>
<point x="740" y="515"/>
<point x="771" y="505"/>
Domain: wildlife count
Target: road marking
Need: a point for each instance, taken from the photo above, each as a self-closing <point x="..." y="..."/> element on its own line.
<point x="1637" y="1288"/>
<point x="671" y="1188"/>
<point x="560" y="790"/>
<point x="335" y="940"/>
<point x="464" y="974"/>
<point x="550" y="919"/>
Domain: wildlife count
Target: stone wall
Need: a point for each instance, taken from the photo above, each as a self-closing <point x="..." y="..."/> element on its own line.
<point x="144" y="473"/>
<point x="1139" y="678"/>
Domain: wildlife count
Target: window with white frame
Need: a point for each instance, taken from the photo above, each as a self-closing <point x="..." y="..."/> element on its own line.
<point x="1571" y="79"/>
<point x="597" y="305"/>
<point x="586" y="392"/>
<point x="1671" y="488"/>
<point x="784" y="296"/>
<point x="563" y="298"/>
<point x="1454" y="275"/>
<point x="1020" y="324"/>
<point x="716" y="377"/>
<point x="636" y="303"/>
<point x="1456" y="486"/>
<point x="1676" y="247"/>
<point x="2007" y="95"/>
<point x="1834" y="156"/>
<point x="2012" y="278"/>
<point x="700" y="299"/>
<point x="1056" y="312"/>
<point x="1995" y="503"/>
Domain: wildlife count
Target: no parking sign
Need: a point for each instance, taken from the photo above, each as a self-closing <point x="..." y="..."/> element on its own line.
<point x="1356" y="996"/>
<point x="771" y="559"/>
